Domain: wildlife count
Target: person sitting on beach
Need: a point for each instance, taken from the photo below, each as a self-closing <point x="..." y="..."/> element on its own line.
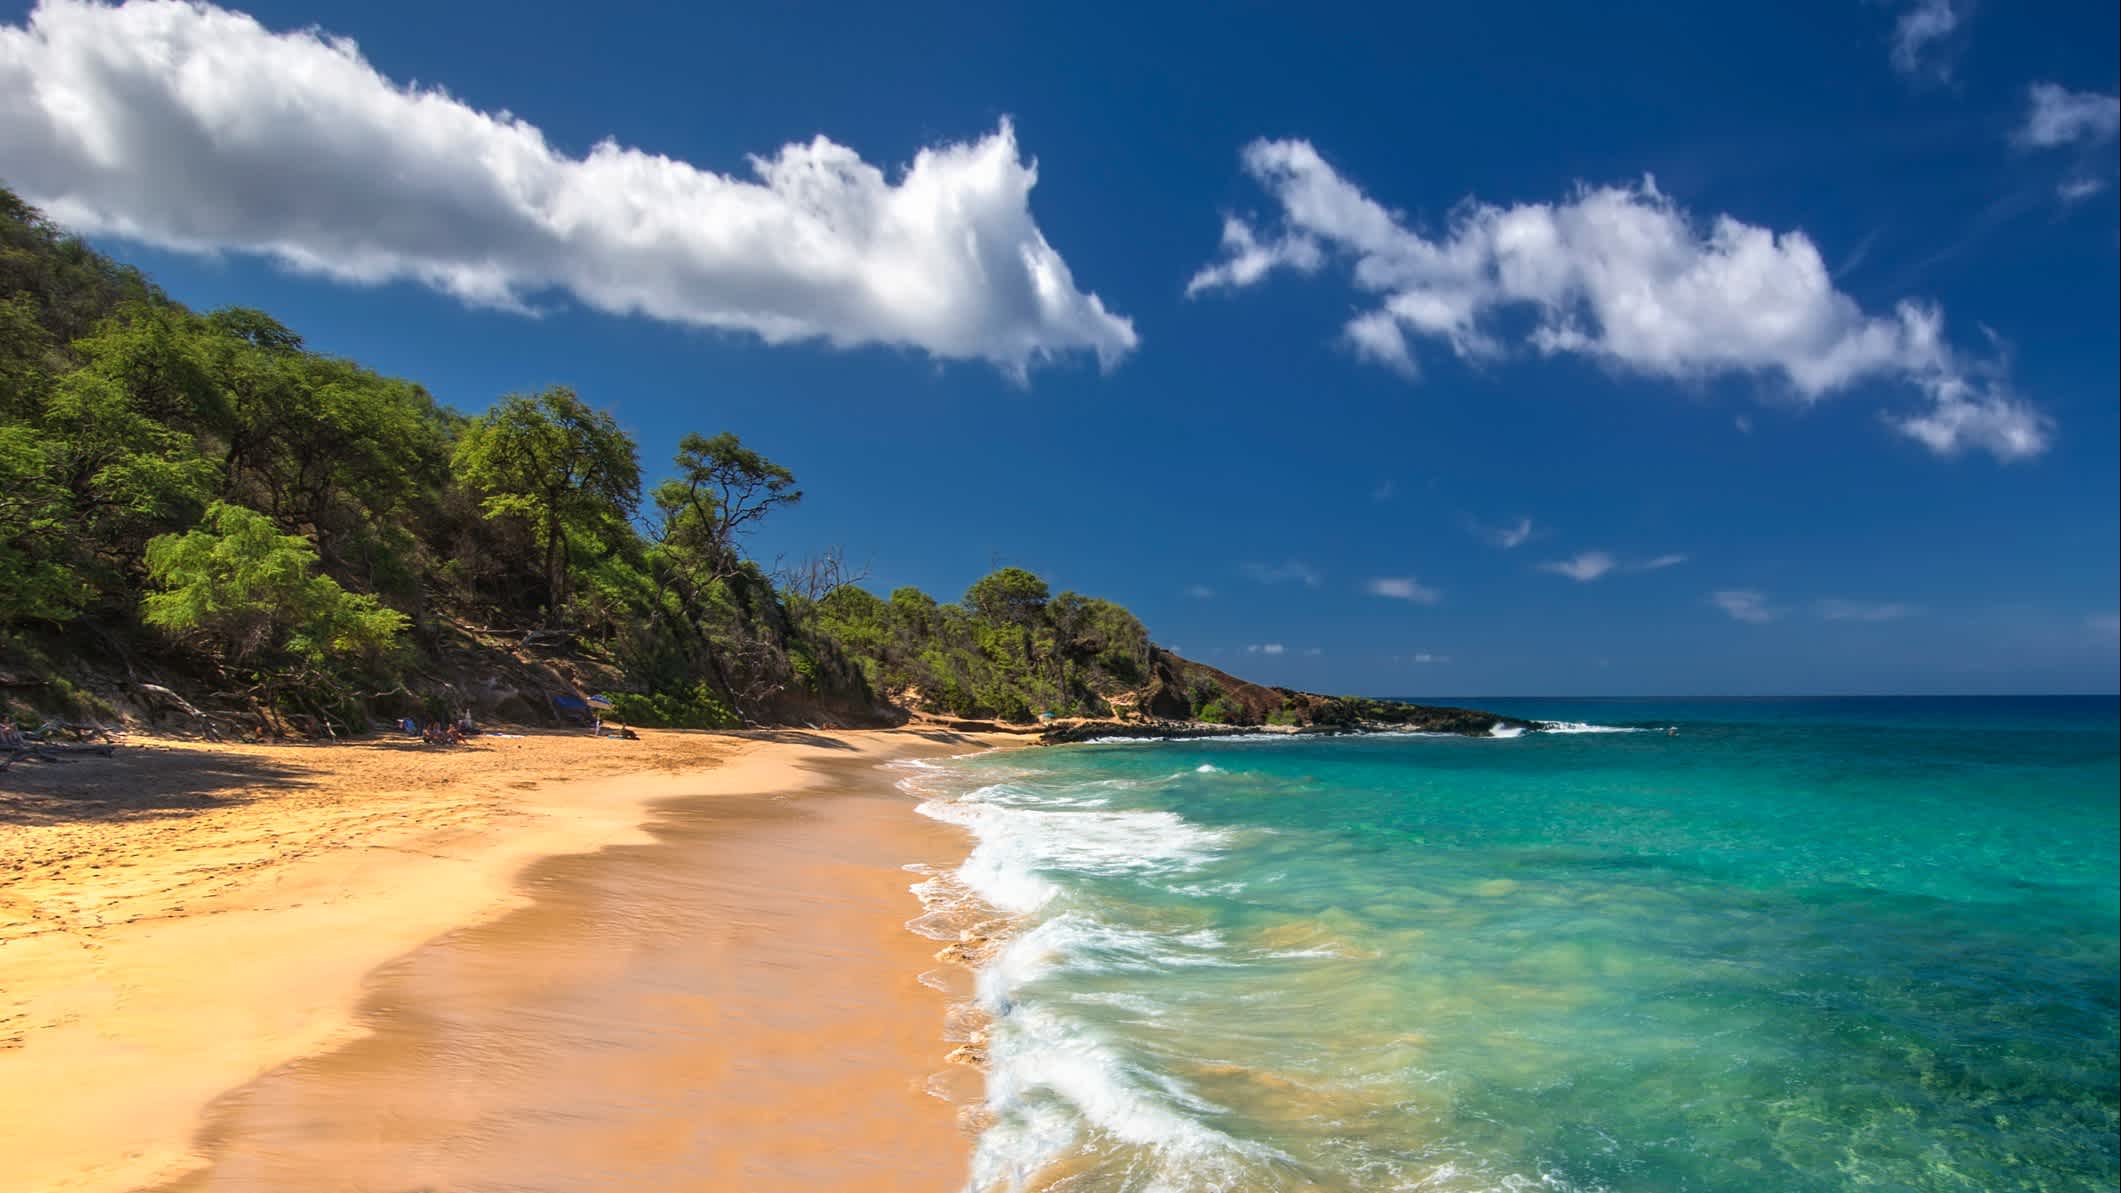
<point x="10" y="737"/>
<point x="452" y="734"/>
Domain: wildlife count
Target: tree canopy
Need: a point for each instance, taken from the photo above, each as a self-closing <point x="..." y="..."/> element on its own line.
<point x="210" y="503"/>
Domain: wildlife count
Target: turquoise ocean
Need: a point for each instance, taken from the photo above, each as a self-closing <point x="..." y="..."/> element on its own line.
<point x="1797" y="945"/>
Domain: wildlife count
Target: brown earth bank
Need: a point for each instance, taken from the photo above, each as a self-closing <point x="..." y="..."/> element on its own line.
<point x="274" y="931"/>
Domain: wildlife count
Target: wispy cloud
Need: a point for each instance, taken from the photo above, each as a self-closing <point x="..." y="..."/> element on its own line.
<point x="1200" y="592"/>
<point x="1590" y="565"/>
<point x="1403" y="588"/>
<point x="1622" y="275"/>
<point x="1266" y="648"/>
<point x="1744" y="604"/>
<point x="1281" y="573"/>
<point x="2104" y="625"/>
<point x="1314" y="652"/>
<point x="2056" y="116"/>
<point x="1507" y="535"/>
<point x="1384" y="491"/>
<point x="1426" y="657"/>
<point x="196" y="129"/>
<point x="2076" y="190"/>
<point x="1837" y="609"/>
<point x="1918" y="37"/>
<point x="1583" y="568"/>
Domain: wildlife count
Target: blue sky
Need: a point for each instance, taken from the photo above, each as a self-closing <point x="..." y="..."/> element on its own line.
<point x="1864" y="499"/>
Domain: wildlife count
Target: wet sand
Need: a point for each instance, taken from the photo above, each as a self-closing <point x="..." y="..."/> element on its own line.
<point x="728" y="1000"/>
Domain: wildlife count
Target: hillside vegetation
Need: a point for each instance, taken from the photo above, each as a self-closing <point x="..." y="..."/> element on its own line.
<point x="205" y="524"/>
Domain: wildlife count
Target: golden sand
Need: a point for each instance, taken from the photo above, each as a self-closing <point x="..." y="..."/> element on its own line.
<point x="247" y="966"/>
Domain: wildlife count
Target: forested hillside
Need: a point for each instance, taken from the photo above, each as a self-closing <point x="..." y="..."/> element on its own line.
<point x="287" y="541"/>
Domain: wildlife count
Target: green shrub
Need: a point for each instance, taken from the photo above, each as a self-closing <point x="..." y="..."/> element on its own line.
<point x="699" y="708"/>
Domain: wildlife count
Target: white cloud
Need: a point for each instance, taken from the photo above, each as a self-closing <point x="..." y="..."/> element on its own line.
<point x="2076" y="190"/>
<point x="1509" y="537"/>
<point x="1660" y="562"/>
<point x="1291" y="569"/>
<point x="1925" y="23"/>
<point x="1965" y="414"/>
<point x="1266" y="648"/>
<point x="1200" y="592"/>
<point x="2055" y="115"/>
<point x="1403" y="588"/>
<point x="1426" y="657"/>
<point x="1617" y="273"/>
<point x="1743" y="605"/>
<point x="196" y="129"/>
<point x="1384" y="491"/>
<point x="1584" y="568"/>
<point x="1246" y="260"/>
<point x="1836" y="609"/>
<point x="1314" y="652"/>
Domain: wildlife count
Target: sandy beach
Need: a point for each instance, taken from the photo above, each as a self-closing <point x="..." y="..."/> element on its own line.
<point x="542" y="961"/>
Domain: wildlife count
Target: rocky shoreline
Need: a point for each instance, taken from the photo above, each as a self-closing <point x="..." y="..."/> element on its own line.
<point x="1397" y="718"/>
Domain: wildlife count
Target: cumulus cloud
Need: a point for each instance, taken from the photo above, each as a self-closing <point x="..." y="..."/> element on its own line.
<point x="1965" y="413"/>
<point x="1837" y="609"/>
<point x="1403" y="588"/>
<point x="2055" y="115"/>
<point x="1622" y="275"/>
<point x="1743" y="604"/>
<point x="1280" y="573"/>
<point x="197" y="129"/>
<point x="1583" y="568"/>
<point x="1917" y="36"/>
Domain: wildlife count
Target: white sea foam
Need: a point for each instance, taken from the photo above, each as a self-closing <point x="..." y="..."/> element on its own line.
<point x="1498" y="729"/>
<point x="1583" y="727"/>
<point x="1207" y="768"/>
<point x="1017" y="847"/>
<point x="1050" y="1077"/>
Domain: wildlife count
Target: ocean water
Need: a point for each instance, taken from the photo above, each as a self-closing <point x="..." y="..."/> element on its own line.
<point x="1799" y="945"/>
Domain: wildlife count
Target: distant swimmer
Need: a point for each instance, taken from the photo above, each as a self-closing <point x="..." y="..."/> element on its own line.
<point x="1671" y="731"/>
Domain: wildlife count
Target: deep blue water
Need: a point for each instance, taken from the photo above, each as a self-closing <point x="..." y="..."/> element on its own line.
<point x="1864" y="943"/>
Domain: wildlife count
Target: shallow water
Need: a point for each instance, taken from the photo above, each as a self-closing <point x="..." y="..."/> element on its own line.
<point x="1797" y="946"/>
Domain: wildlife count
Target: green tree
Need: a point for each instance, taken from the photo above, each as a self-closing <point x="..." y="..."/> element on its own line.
<point x="721" y="491"/>
<point x="1010" y="596"/>
<point x="556" y="465"/>
<point x="237" y="588"/>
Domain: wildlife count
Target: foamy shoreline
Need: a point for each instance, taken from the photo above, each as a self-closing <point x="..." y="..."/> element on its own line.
<point x="185" y="919"/>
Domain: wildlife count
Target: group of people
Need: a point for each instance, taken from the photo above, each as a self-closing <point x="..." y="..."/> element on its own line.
<point x="442" y="733"/>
